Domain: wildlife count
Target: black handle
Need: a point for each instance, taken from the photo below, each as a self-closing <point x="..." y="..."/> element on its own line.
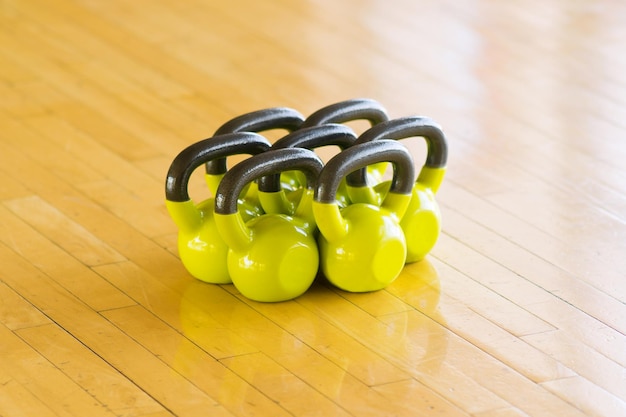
<point x="406" y="127"/>
<point x="361" y="155"/>
<point x="204" y="151"/>
<point x="267" y="163"/>
<point x="309" y="138"/>
<point x="256" y="121"/>
<point x="348" y="110"/>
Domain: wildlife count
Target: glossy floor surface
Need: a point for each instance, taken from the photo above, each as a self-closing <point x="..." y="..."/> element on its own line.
<point x="518" y="311"/>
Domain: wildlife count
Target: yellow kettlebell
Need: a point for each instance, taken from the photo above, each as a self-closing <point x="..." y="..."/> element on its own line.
<point x="273" y="197"/>
<point x="422" y="221"/>
<point x="201" y="249"/>
<point x="349" y="111"/>
<point x="273" y="257"/>
<point x="273" y="118"/>
<point x="362" y="246"/>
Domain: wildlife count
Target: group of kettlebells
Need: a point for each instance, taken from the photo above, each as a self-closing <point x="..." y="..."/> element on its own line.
<point x="281" y="215"/>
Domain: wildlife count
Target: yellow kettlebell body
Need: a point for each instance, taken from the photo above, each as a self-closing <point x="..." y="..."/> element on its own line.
<point x="273" y="257"/>
<point x="352" y="263"/>
<point x="202" y="251"/>
<point x="362" y="246"/>
<point x="422" y="221"/>
<point x="270" y="265"/>
<point x="200" y="247"/>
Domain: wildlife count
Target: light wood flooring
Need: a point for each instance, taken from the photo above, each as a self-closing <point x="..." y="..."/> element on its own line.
<point x="518" y="311"/>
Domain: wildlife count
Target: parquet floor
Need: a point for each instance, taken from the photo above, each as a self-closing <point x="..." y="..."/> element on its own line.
<point x="518" y="311"/>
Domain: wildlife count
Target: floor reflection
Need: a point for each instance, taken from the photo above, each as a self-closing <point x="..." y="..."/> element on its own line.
<point x="420" y="332"/>
<point x="330" y="339"/>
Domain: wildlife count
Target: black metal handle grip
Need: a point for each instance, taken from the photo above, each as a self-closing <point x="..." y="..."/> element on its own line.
<point x="402" y="128"/>
<point x="348" y="110"/>
<point x="360" y="156"/>
<point x="274" y="162"/>
<point x="207" y="150"/>
<point x="309" y="138"/>
<point x="256" y="121"/>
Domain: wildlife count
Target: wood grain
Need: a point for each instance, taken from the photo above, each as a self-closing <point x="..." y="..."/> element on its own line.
<point x="518" y="311"/>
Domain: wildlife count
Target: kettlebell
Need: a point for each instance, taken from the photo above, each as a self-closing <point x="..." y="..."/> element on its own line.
<point x="362" y="246"/>
<point x="255" y="121"/>
<point x="422" y="221"/>
<point x="273" y="257"/>
<point x="273" y="197"/>
<point x="201" y="249"/>
<point x="349" y="111"/>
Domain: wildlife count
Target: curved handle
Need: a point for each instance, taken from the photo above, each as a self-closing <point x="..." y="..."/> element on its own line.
<point x="228" y="219"/>
<point x="256" y="121"/>
<point x="204" y="151"/>
<point x="308" y="138"/>
<point x="413" y="126"/>
<point x="325" y="207"/>
<point x="348" y="110"/>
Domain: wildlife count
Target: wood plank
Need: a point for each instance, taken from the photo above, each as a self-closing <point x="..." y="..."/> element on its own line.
<point x="150" y="220"/>
<point x="54" y="157"/>
<point x="519" y="310"/>
<point x="502" y="412"/>
<point x="415" y="399"/>
<point x="60" y="265"/>
<point x="533" y="233"/>
<point x="46" y="382"/>
<point x="15" y="399"/>
<point x="484" y="368"/>
<point x="542" y="272"/>
<point x="92" y="97"/>
<point x="333" y="343"/>
<point x="16" y="312"/>
<point x="588" y="396"/>
<point x="585" y="361"/>
<point x="532" y="295"/>
<point x="205" y="309"/>
<point x="162" y="383"/>
<point x="63" y="231"/>
<point x="12" y="189"/>
<point x="98" y="378"/>
<point x="186" y="306"/>
<point x="282" y="386"/>
<point x="194" y="363"/>
<point x="115" y="234"/>
<point x="56" y="129"/>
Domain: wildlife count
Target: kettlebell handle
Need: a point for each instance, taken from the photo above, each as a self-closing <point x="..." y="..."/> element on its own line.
<point x="256" y="121"/>
<point x="360" y="156"/>
<point x="402" y="128"/>
<point x="267" y="163"/>
<point x="309" y="138"/>
<point x="346" y="111"/>
<point x="179" y="173"/>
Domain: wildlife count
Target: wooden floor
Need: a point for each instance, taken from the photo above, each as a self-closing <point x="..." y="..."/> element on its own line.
<point x="518" y="311"/>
